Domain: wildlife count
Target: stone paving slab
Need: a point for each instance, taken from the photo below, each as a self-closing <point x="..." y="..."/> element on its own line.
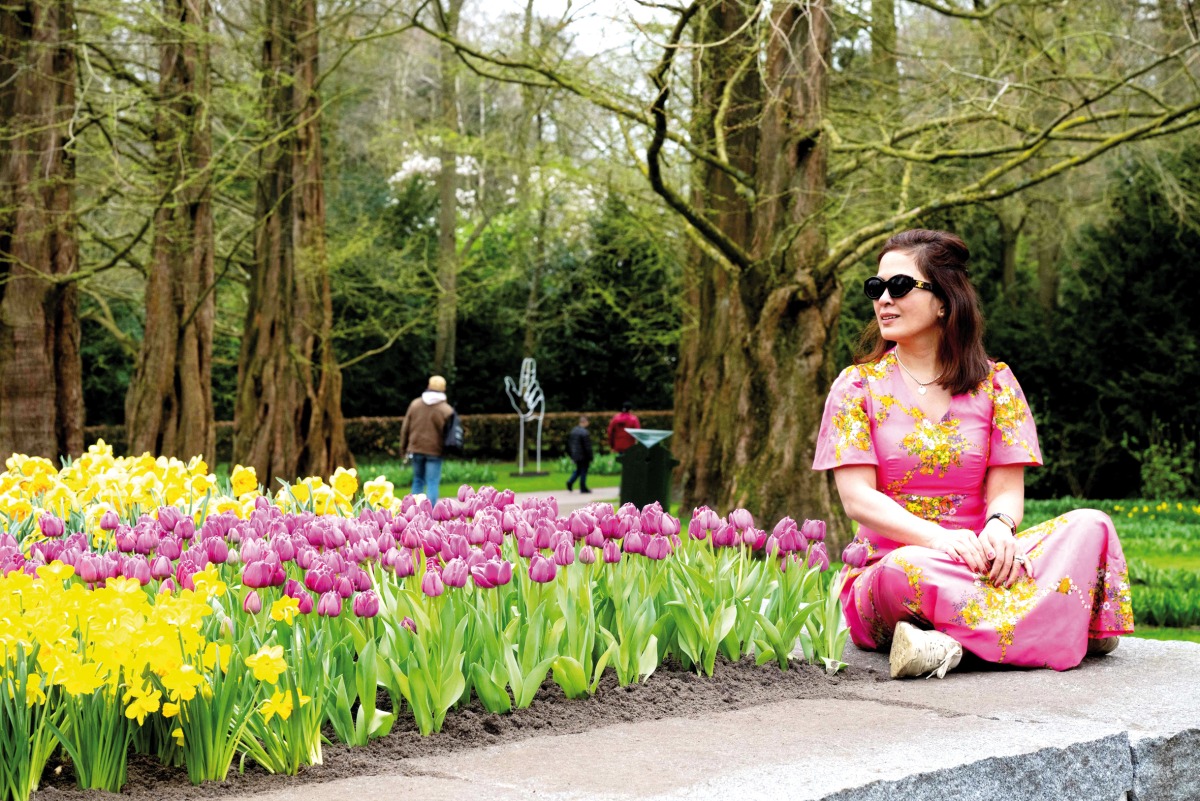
<point x="1122" y="726"/>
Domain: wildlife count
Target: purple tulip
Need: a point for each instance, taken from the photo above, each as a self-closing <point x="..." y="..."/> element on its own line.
<point x="343" y="586"/>
<point x="51" y="526"/>
<point x="856" y="553"/>
<point x="635" y="542"/>
<point x="432" y="584"/>
<point x="741" y="519"/>
<point x="161" y="567"/>
<point x="813" y="530"/>
<point x="109" y="521"/>
<point x="541" y="569"/>
<point x="125" y="539"/>
<point x="612" y="527"/>
<point x="658" y="548"/>
<point x="564" y="552"/>
<point x="305" y="603"/>
<point x="139" y="569"/>
<point x="587" y="555"/>
<point x="366" y="604"/>
<point x="526" y="547"/>
<point x="319" y="579"/>
<point x="669" y="526"/>
<point x="217" y="550"/>
<point x="455" y="573"/>
<point x="725" y="536"/>
<point x="330" y="604"/>
<point x="407" y="622"/>
<point x="818" y="557"/>
<point x="612" y="552"/>
<point x="168" y="518"/>
<point x="252" y="605"/>
<point x="492" y="574"/>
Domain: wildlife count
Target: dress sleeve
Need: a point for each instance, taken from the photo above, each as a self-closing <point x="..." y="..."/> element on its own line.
<point x="1014" y="434"/>
<point x="845" y="435"/>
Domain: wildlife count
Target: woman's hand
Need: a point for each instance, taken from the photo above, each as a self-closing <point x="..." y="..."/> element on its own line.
<point x="964" y="546"/>
<point x="1001" y="552"/>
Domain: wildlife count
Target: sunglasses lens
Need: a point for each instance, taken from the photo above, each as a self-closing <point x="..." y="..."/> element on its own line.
<point x="897" y="286"/>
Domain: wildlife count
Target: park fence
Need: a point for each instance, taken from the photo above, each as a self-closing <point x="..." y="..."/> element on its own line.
<point x="488" y="436"/>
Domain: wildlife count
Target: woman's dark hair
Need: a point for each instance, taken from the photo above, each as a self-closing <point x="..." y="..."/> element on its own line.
<point x="942" y="257"/>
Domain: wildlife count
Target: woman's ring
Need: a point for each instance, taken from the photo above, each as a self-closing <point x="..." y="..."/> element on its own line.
<point x="1019" y="559"/>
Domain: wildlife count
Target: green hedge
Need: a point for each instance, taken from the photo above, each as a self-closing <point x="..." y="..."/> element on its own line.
<point x="488" y="436"/>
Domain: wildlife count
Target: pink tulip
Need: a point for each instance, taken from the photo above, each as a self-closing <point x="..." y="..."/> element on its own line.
<point x="407" y="622"/>
<point x="741" y="519"/>
<point x="455" y="573"/>
<point x="856" y="553"/>
<point x="587" y="555"/>
<point x="669" y="526"/>
<point x="564" y="552"/>
<point x="305" y="603"/>
<point x="343" y="586"/>
<point x="635" y="542"/>
<point x="813" y="530"/>
<point x="217" y="550"/>
<point x="169" y="517"/>
<point x="330" y="605"/>
<point x="109" y="521"/>
<point x="818" y="557"/>
<point x="319" y="579"/>
<point x="161" y="567"/>
<point x="432" y="584"/>
<point x="139" y="569"/>
<point x="658" y="548"/>
<point x="366" y="604"/>
<point x="252" y="605"/>
<point x="51" y="526"/>
<point x="541" y="569"/>
<point x="526" y="547"/>
<point x="612" y="552"/>
<point x="492" y="574"/>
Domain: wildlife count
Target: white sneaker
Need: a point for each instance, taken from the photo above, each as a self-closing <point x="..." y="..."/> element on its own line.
<point x="916" y="652"/>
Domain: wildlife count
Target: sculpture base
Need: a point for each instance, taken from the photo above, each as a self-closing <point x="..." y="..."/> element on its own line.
<point x="532" y="473"/>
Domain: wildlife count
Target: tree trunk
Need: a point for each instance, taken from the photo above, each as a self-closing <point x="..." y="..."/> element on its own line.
<point x="288" y="414"/>
<point x="169" y="408"/>
<point x="762" y="340"/>
<point x="447" y="272"/>
<point x="883" y="48"/>
<point x="41" y="375"/>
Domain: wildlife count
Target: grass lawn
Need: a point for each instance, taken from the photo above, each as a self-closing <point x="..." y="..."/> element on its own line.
<point x="456" y="472"/>
<point x="1161" y="633"/>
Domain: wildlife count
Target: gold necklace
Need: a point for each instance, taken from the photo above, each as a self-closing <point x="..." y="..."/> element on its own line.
<point x="920" y="386"/>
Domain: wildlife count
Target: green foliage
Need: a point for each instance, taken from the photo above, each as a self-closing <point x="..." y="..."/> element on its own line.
<point x="1168" y="468"/>
<point x="604" y="464"/>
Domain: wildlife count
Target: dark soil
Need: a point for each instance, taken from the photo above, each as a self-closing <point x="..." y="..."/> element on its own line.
<point x="669" y="692"/>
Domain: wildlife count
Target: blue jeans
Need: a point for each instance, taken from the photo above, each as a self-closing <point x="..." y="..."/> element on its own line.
<point x="427" y="472"/>
<point x="580" y="473"/>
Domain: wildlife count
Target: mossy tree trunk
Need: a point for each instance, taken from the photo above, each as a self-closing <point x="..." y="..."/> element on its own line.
<point x="41" y="374"/>
<point x="169" y="406"/>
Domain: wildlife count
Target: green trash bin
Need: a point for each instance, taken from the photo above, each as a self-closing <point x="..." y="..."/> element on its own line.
<point x="646" y="468"/>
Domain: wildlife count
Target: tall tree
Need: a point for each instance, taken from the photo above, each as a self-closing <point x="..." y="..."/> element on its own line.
<point x="41" y="383"/>
<point x="448" y="14"/>
<point x="288" y="418"/>
<point x="169" y="406"/>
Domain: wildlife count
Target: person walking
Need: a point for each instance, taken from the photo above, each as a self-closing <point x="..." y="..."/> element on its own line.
<point x="619" y="440"/>
<point x="579" y="448"/>
<point x="422" y="435"/>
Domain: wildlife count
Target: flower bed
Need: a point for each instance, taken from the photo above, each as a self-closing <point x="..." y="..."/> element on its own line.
<point x="151" y="610"/>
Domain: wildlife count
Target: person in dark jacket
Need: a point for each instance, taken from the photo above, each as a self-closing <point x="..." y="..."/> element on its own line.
<point x="421" y="436"/>
<point x="579" y="448"/>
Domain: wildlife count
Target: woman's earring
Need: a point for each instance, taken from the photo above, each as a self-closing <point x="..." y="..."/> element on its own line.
<point x="941" y="312"/>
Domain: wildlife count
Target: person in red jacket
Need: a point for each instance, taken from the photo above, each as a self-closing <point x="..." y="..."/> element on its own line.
<point x="618" y="438"/>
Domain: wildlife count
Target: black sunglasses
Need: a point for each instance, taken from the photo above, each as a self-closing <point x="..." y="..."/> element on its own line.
<point x="897" y="286"/>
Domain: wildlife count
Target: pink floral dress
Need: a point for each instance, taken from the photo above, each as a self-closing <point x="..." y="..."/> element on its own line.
<point x="936" y="469"/>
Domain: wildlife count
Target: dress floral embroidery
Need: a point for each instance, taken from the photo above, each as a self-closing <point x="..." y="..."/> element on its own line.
<point x="936" y="469"/>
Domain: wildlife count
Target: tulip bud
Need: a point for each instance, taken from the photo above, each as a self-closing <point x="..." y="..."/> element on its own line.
<point x="564" y="552"/>
<point x="818" y="557"/>
<point x="305" y="603"/>
<point x="856" y="553"/>
<point x="658" y="548"/>
<point x="161" y="567"/>
<point x="330" y="604"/>
<point x="366" y="604"/>
<point x="813" y="530"/>
<point x="51" y="526"/>
<point x="407" y="622"/>
<point x="432" y="584"/>
<point x="587" y="555"/>
<point x="741" y="519"/>
<point x="669" y="526"/>
<point x="252" y="605"/>
<point x="455" y="573"/>
<point x="109" y="521"/>
<point x="612" y="552"/>
<point x="541" y="569"/>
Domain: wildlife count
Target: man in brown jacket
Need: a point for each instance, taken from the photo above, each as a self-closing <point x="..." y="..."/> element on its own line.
<point x="421" y="436"/>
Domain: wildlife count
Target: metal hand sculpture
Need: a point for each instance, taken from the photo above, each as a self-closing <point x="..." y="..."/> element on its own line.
<point x="527" y="398"/>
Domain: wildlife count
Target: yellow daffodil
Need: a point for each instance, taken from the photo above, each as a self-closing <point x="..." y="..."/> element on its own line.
<point x="285" y="609"/>
<point x="244" y="479"/>
<point x="268" y="663"/>
<point x="142" y="701"/>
